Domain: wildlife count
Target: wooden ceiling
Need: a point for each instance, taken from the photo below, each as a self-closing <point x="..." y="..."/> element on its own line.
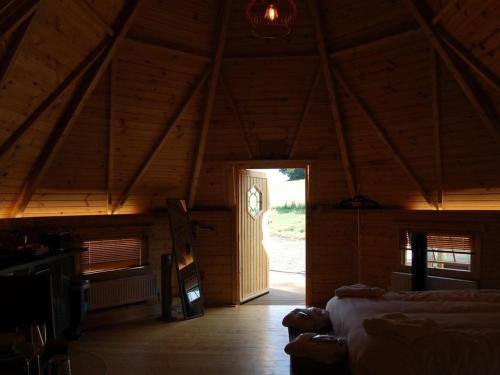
<point x="115" y="105"/>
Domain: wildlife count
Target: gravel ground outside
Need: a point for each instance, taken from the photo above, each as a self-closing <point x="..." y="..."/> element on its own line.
<point x="286" y="255"/>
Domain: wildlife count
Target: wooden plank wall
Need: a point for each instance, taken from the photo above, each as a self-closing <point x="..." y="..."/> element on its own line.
<point x="215" y="254"/>
<point x="156" y="225"/>
<point x="333" y="240"/>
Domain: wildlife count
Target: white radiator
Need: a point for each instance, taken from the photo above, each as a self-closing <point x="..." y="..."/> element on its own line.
<point x="122" y="291"/>
<point x="402" y="281"/>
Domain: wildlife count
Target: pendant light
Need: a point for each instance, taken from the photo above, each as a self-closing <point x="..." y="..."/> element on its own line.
<point x="271" y="19"/>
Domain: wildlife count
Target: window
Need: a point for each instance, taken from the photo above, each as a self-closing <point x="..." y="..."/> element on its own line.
<point x="113" y="254"/>
<point x="452" y="252"/>
<point x="254" y="202"/>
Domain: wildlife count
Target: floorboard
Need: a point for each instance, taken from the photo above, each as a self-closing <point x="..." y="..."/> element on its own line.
<point x="231" y="340"/>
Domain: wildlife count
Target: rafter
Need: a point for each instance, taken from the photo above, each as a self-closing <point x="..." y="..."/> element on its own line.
<point x="332" y="97"/>
<point x="68" y="118"/>
<point x="89" y="10"/>
<point x="305" y="111"/>
<point x="474" y="64"/>
<point x="375" y="43"/>
<point x="111" y="138"/>
<point x="383" y="135"/>
<point x="16" y="16"/>
<point x="229" y="97"/>
<point x="212" y="87"/>
<point x="78" y="72"/>
<point x="270" y="58"/>
<point x="436" y="115"/>
<point x="153" y="153"/>
<point x="484" y="110"/>
<point x="169" y="49"/>
<point x="13" y="49"/>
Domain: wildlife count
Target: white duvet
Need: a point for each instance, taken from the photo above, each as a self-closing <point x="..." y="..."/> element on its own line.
<point x="467" y="342"/>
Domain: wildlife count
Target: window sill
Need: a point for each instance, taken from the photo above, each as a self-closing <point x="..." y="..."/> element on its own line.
<point x="115" y="274"/>
<point x="463" y="275"/>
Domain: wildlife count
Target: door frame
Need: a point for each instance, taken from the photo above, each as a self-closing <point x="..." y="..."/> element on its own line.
<point x="235" y="168"/>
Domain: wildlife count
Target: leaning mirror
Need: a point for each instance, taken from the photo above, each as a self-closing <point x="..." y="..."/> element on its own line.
<point x="185" y="262"/>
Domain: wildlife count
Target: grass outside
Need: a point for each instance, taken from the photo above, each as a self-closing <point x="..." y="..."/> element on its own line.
<point x="288" y="222"/>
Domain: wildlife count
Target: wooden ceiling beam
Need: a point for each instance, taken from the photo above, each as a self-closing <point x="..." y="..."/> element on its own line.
<point x="270" y="58"/>
<point x="78" y="72"/>
<point x="484" y="110"/>
<point x="16" y="16"/>
<point x="383" y="136"/>
<point x="332" y="97"/>
<point x="468" y="58"/>
<point x="111" y="138"/>
<point x="375" y="43"/>
<point x="436" y="116"/>
<point x="305" y="111"/>
<point x="340" y="52"/>
<point x="229" y="97"/>
<point x="169" y="49"/>
<point x="75" y="105"/>
<point x="212" y="88"/>
<point x="153" y="153"/>
<point x="90" y="11"/>
<point x="13" y="49"/>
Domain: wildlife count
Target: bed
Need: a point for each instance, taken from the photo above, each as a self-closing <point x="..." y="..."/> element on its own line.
<point x="467" y="339"/>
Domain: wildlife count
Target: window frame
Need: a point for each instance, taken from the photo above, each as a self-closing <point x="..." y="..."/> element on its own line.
<point x="474" y="272"/>
<point x="110" y="234"/>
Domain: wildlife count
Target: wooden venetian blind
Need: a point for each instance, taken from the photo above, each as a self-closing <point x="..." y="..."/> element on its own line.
<point x="444" y="251"/>
<point x="113" y="254"/>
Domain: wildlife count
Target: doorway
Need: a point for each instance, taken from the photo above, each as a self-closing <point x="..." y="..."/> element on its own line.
<point x="272" y="236"/>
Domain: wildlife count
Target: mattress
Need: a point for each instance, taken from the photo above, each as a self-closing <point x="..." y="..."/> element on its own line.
<point x="468" y="341"/>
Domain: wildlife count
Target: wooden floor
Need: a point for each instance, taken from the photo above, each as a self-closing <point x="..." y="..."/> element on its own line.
<point x="231" y="340"/>
<point x="285" y="289"/>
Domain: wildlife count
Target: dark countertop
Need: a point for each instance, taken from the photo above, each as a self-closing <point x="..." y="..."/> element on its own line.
<point x="9" y="266"/>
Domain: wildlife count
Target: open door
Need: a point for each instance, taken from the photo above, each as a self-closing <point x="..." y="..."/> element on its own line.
<point x="254" y="263"/>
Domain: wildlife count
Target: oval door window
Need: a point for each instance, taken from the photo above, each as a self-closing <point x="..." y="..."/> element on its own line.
<point x="254" y="202"/>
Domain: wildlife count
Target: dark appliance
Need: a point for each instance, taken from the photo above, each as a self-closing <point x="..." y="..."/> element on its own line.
<point x="59" y="242"/>
<point x="79" y="306"/>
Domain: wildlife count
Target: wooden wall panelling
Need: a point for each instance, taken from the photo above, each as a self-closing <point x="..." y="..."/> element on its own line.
<point x="382" y="134"/>
<point x="188" y="27"/>
<point x="474" y="24"/>
<point x="162" y="139"/>
<point x="270" y="95"/>
<point x="225" y="140"/>
<point x="64" y="126"/>
<point x="67" y="190"/>
<point x="334" y="240"/>
<point x="347" y="24"/>
<point x="89" y="10"/>
<point x="305" y="112"/>
<point x="229" y="97"/>
<point x="77" y="73"/>
<point x="487" y="114"/>
<point x="212" y="88"/>
<point x="38" y="70"/>
<point x="460" y="124"/>
<point x="472" y="62"/>
<point x="111" y="140"/>
<point x="14" y="14"/>
<point x="152" y="83"/>
<point x="214" y="252"/>
<point x="332" y="96"/>
<point x="106" y="10"/>
<point x="436" y="102"/>
<point x="12" y="49"/>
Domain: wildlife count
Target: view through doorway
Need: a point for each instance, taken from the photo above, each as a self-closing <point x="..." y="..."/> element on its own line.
<point x="283" y="235"/>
